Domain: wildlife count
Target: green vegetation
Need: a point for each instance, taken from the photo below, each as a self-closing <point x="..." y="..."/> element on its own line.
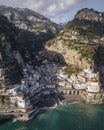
<point x="86" y="28"/>
<point x="70" y="69"/>
<point x="86" y="51"/>
<point x="84" y="31"/>
<point x="4" y="100"/>
<point x="12" y="72"/>
<point x="50" y="42"/>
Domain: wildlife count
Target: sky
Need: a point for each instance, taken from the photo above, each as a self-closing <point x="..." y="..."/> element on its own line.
<point x="59" y="11"/>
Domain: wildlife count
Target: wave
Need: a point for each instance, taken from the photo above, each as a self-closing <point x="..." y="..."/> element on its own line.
<point x="23" y="128"/>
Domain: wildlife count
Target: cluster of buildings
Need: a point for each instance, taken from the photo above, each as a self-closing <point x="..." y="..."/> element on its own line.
<point x="49" y="77"/>
<point x="86" y="84"/>
<point x="36" y="81"/>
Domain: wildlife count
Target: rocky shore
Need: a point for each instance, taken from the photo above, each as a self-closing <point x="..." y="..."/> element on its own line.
<point x="43" y="105"/>
<point x="5" y="118"/>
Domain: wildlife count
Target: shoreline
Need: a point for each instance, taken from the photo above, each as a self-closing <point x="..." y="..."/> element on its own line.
<point x="45" y="108"/>
<point x="57" y="103"/>
<point x="40" y="111"/>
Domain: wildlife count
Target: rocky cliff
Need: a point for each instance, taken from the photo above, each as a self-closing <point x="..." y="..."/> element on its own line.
<point x="81" y="40"/>
<point x="90" y="14"/>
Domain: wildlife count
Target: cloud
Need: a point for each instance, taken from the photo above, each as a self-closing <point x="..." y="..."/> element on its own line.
<point x="61" y="6"/>
<point x="53" y="9"/>
<point x="50" y="8"/>
<point x="57" y="10"/>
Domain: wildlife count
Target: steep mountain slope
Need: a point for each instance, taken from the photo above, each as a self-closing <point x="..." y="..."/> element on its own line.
<point x="29" y="20"/>
<point x="35" y="29"/>
<point x="17" y="50"/>
<point x="10" y="58"/>
<point x="22" y="35"/>
<point x="81" y="40"/>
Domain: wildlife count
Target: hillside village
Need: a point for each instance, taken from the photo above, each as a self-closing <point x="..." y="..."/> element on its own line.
<point x="50" y="78"/>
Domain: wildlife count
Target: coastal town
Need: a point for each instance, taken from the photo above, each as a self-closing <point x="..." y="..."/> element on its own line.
<point x="50" y="81"/>
<point x="38" y="81"/>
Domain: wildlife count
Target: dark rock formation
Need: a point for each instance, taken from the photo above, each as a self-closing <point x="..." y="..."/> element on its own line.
<point x="10" y="58"/>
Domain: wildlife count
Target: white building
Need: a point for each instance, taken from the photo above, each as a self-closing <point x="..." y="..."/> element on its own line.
<point x="23" y="102"/>
<point x="88" y="71"/>
<point x="25" y="71"/>
<point x="81" y="78"/>
<point x="20" y="101"/>
<point x="80" y="86"/>
<point x="93" y="86"/>
<point x="50" y="86"/>
<point x="73" y="77"/>
<point x="14" y="90"/>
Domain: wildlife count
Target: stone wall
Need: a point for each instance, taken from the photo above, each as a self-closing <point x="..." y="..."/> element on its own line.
<point x="93" y="98"/>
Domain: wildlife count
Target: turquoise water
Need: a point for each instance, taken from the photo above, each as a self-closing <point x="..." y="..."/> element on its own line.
<point x="78" y="116"/>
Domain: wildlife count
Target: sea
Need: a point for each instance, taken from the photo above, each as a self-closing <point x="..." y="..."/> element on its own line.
<point x="78" y="116"/>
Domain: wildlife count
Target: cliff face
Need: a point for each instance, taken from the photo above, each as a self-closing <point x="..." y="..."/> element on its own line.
<point x="71" y="56"/>
<point x="91" y="15"/>
<point x="81" y="40"/>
